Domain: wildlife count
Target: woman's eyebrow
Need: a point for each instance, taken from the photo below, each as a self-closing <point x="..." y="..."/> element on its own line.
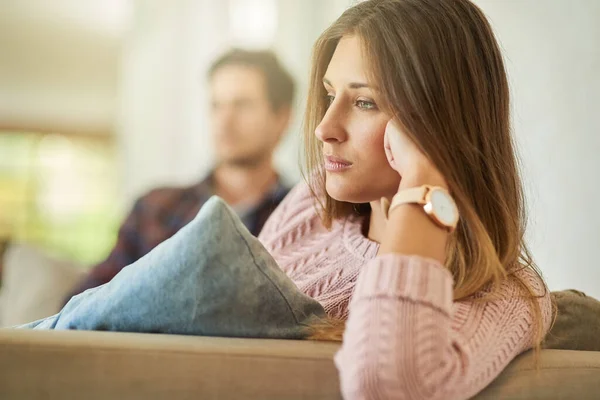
<point x="358" y="85"/>
<point x="351" y="85"/>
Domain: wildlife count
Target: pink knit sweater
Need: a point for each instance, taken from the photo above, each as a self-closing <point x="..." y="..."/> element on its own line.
<point x="405" y="337"/>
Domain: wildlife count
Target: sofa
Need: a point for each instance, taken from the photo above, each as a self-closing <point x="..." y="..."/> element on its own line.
<point x="109" y="365"/>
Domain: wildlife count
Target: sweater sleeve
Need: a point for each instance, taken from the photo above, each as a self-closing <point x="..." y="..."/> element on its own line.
<point x="405" y="337"/>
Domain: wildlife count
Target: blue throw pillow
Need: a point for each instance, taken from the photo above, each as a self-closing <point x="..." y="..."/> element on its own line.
<point x="211" y="278"/>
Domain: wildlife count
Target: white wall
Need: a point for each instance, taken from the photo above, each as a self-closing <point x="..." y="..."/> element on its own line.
<point x="552" y="51"/>
<point x="163" y="104"/>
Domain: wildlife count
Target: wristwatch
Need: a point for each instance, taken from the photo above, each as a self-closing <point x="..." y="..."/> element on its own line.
<point x="436" y="202"/>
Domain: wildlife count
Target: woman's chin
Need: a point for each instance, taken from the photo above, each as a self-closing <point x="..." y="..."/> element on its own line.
<point x="343" y="191"/>
<point x="336" y="190"/>
<point x="356" y="190"/>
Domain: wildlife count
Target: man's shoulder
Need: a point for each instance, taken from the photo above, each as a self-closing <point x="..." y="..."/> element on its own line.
<point x="172" y="196"/>
<point x="166" y="192"/>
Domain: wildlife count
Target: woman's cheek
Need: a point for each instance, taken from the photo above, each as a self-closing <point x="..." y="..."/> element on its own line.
<point x="372" y="142"/>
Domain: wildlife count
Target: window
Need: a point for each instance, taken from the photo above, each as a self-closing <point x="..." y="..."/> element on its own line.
<point x="58" y="192"/>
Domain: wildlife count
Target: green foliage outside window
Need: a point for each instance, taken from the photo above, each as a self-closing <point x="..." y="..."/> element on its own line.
<point x="58" y="192"/>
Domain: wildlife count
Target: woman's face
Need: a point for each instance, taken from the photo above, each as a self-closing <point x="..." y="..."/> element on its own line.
<point x="352" y="131"/>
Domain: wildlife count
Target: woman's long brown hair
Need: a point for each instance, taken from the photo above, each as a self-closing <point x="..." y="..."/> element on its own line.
<point x="440" y="74"/>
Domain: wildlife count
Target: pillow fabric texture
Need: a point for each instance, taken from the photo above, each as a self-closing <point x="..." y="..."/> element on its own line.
<point x="577" y="323"/>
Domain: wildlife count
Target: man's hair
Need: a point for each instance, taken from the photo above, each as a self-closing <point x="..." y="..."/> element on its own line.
<point x="279" y="83"/>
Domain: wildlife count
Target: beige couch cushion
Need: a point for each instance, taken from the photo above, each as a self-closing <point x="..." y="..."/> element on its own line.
<point x="563" y="374"/>
<point x="34" y="285"/>
<point x="106" y="365"/>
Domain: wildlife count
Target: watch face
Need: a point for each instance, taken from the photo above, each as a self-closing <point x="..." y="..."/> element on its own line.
<point x="444" y="207"/>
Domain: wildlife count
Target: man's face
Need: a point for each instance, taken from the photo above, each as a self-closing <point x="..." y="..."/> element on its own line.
<point x="246" y="129"/>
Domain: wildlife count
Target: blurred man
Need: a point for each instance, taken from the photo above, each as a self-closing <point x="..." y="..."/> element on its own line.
<point x="252" y="98"/>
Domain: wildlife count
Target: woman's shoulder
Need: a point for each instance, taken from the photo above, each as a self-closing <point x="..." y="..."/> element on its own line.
<point x="298" y="207"/>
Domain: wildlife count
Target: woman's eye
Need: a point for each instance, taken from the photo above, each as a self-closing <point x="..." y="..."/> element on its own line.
<point x="366" y="105"/>
<point x="330" y="99"/>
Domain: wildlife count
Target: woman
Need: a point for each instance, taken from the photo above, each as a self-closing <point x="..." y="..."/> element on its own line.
<point x="409" y="99"/>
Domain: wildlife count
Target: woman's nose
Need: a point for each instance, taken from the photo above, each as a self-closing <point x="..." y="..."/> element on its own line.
<point x="331" y="128"/>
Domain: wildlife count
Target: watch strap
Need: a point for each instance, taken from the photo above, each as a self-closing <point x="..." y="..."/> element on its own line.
<point x="416" y="195"/>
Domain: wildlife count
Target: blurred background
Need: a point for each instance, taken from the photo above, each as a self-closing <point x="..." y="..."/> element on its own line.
<point x="102" y="100"/>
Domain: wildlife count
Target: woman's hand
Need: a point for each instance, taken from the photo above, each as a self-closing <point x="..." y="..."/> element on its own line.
<point x="409" y="229"/>
<point x="408" y="160"/>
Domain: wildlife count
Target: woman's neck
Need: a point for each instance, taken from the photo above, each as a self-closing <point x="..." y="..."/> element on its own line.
<point x="377" y="222"/>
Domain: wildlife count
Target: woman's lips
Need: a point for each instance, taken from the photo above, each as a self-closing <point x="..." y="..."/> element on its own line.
<point x="336" y="164"/>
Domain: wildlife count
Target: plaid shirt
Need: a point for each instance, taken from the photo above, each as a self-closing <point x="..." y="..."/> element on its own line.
<point x="159" y="215"/>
